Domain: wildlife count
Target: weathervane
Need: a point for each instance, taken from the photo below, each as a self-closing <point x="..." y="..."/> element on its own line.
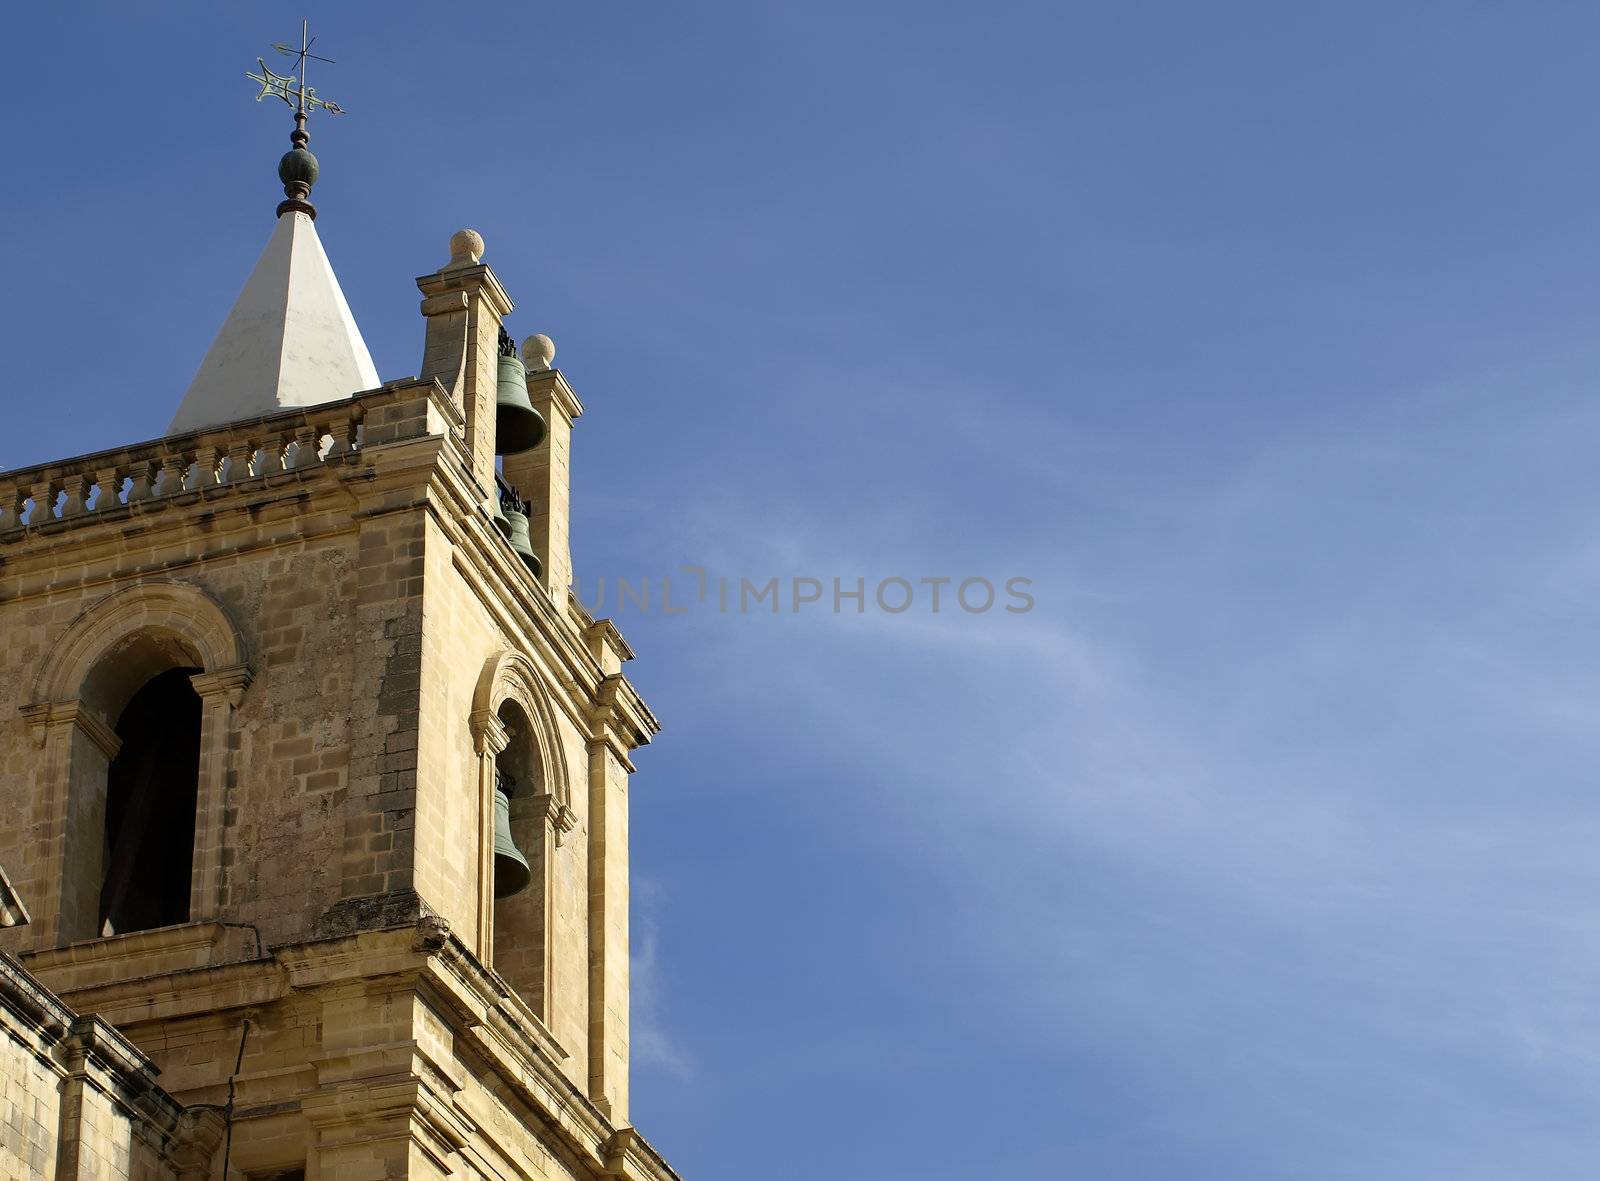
<point x="296" y="93"/>
<point x="298" y="168"/>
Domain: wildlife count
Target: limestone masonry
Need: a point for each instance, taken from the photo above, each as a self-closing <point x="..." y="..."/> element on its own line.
<point x="264" y="686"/>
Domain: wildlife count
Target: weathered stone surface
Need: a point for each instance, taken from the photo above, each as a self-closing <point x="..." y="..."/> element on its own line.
<point x="369" y="647"/>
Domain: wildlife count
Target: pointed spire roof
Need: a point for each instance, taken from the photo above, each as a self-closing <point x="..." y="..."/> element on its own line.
<point x="290" y="339"/>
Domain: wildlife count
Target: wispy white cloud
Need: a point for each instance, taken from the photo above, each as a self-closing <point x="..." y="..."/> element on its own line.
<point x="652" y="1044"/>
<point x="1245" y="808"/>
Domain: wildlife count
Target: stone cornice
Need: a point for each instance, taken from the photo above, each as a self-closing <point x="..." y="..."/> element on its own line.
<point x="24" y="995"/>
<point x="203" y="942"/>
<point x="477" y="279"/>
<point x="620" y="717"/>
<point x="101" y="1045"/>
<point x="603" y="634"/>
<point x="219" y="966"/>
<point x="185" y="992"/>
<point x="628" y="1154"/>
<point x="485" y="1013"/>
<point x="550" y="383"/>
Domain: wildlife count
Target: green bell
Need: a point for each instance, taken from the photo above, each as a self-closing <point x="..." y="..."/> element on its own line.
<point x="517" y="425"/>
<point x="511" y="872"/>
<point x="519" y="539"/>
<point x="501" y="521"/>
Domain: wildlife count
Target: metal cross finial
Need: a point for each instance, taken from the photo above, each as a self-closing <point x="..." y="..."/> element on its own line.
<point x="292" y="88"/>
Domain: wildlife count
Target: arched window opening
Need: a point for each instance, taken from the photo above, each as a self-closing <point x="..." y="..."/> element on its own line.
<point x="152" y="790"/>
<point x="172" y="645"/>
<point x="520" y="838"/>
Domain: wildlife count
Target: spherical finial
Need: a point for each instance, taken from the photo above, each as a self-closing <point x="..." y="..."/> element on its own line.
<point x="298" y="172"/>
<point x="538" y="351"/>
<point x="466" y="248"/>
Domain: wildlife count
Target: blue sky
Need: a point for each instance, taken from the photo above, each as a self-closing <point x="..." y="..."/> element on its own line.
<point x="1260" y="337"/>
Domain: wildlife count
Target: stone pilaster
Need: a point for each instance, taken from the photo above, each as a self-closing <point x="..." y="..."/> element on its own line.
<point x="69" y="818"/>
<point x="619" y="722"/>
<point x="220" y="692"/>
<point x="543" y="475"/>
<point x="464" y="307"/>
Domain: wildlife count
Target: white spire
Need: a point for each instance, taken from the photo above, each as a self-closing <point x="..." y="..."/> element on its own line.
<point x="289" y="341"/>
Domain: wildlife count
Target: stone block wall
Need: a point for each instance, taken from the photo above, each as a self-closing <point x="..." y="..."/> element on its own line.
<point x="78" y="1101"/>
<point x="360" y="626"/>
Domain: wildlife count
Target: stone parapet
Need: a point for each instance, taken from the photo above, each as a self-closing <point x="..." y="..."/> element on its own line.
<point x="153" y="475"/>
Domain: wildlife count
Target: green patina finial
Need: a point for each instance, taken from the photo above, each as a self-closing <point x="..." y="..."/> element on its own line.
<point x="298" y="168"/>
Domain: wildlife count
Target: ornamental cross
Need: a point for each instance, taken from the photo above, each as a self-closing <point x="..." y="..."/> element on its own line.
<point x="292" y="88"/>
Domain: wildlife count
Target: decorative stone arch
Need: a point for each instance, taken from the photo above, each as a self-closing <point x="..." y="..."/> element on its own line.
<point x="511" y="676"/>
<point x="543" y="814"/>
<point x="106" y="654"/>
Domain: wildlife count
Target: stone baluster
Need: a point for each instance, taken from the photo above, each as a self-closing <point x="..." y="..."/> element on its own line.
<point x="307" y="439"/>
<point x="12" y="500"/>
<point x="174" y="467"/>
<point x="77" y="486"/>
<point x="208" y="466"/>
<point x="240" y="454"/>
<point x="269" y="456"/>
<point x="342" y="431"/>
<point x="144" y="472"/>
<point x="44" y="503"/>
<point x="107" y="488"/>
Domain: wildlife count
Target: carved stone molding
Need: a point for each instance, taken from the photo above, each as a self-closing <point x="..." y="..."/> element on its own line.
<point x="557" y="815"/>
<point x="489" y="734"/>
<point x="230" y="682"/>
<point x="71" y="713"/>
<point x="511" y="676"/>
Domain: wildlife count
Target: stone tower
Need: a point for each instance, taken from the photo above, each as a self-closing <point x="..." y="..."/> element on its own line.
<point x="265" y="686"/>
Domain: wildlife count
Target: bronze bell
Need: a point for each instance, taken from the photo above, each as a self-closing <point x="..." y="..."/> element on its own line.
<point x="516" y="514"/>
<point x="511" y="872"/>
<point x="517" y="425"/>
<point x="501" y="521"/>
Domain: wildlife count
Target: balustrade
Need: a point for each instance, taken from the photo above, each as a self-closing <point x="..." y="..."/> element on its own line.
<point x="200" y="463"/>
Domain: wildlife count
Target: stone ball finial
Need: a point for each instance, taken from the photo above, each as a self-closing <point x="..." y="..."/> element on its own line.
<point x="298" y="172"/>
<point x="538" y="351"/>
<point x="466" y="248"/>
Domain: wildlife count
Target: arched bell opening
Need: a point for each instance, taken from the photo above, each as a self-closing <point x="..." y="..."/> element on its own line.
<point x="515" y="770"/>
<point x="152" y="790"/>
<point x="522" y="851"/>
<point x="172" y="647"/>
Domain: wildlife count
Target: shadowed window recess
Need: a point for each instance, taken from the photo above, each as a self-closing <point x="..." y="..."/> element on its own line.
<point x="151" y="793"/>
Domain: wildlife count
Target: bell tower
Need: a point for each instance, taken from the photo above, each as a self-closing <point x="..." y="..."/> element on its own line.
<point x="321" y="773"/>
